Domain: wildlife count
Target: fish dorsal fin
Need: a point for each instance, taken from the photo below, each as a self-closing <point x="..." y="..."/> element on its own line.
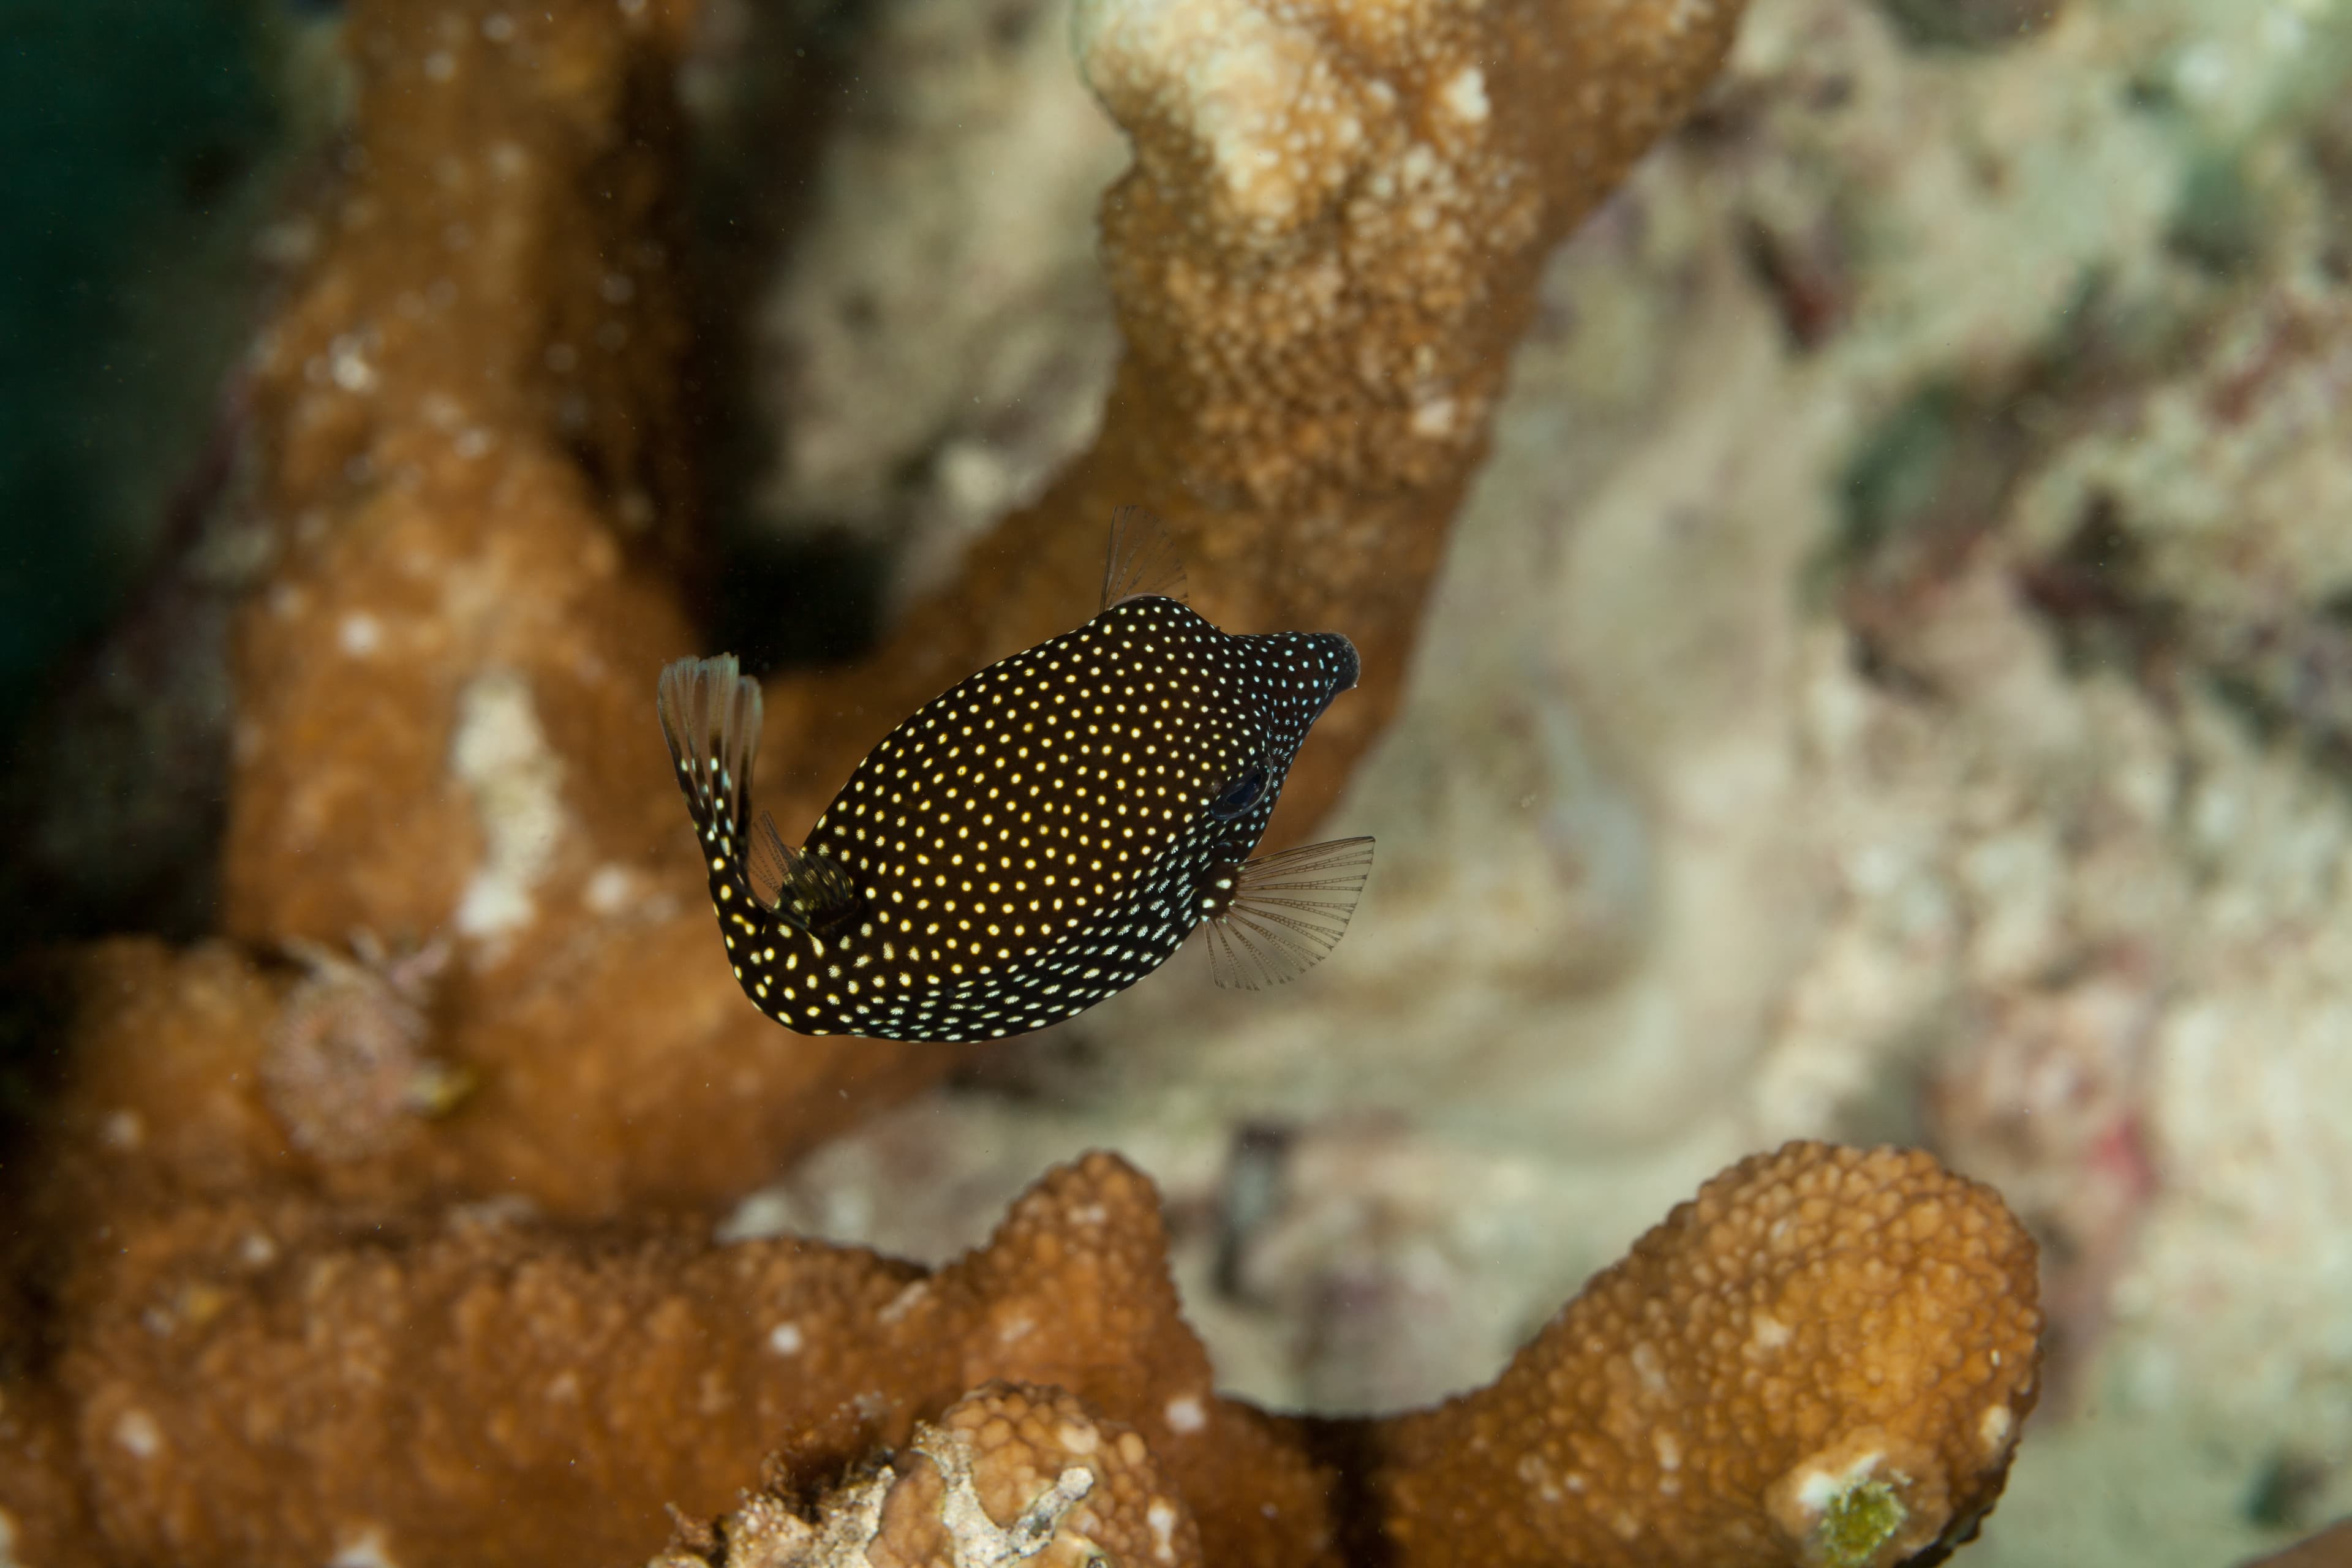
<point x="1287" y="912"/>
<point x="801" y="886"/>
<point x="1144" y="561"/>
<point x="709" y="714"/>
<point x="769" y="862"/>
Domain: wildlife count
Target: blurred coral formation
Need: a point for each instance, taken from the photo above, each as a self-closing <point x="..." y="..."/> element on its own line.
<point x="1827" y="1357"/>
<point x="1886" y="683"/>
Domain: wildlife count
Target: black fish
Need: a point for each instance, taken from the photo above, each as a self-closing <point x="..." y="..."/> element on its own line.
<point x="1041" y="836"/>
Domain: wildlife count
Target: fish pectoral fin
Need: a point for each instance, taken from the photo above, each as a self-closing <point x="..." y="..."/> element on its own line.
<point x="709" y="714"/>
<point x="1287" y="912"/>
<point x="802" y="887"/>
<point x="1144" y="561"/>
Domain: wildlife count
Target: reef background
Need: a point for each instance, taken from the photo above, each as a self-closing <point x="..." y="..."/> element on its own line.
<point x="1889" y="681"/>
<point x="1892" y="680"/>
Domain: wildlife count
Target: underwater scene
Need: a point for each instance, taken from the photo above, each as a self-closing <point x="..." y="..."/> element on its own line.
<point x="1148" y="783"/>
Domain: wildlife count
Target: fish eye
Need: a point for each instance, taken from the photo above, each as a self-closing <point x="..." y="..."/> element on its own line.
<point x="1241" y="794"/>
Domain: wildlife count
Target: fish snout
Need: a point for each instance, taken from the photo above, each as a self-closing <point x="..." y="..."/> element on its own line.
<point x="1348" y="667"/>
<point x="1340" y="662"/>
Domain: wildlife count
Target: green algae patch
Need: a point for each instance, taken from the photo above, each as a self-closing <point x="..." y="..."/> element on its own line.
<point x="1858" y="1522"/>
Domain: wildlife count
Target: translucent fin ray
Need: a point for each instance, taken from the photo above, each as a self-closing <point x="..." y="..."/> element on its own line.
<point x="770" y="861"/>
<point x="802" y="887"/>
<point x="1144" y="561"/>
<point x="711" y="716"/>
<point x="1288" y="912"/>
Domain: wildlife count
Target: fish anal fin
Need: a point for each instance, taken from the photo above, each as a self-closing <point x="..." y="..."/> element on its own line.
<point x="1286" y="912"/>
<point x="710" y="715"/>
<point x="1144" y="561"/>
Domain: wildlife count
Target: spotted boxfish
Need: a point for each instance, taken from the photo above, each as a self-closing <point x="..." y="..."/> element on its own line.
<point x="1039" y="837"/>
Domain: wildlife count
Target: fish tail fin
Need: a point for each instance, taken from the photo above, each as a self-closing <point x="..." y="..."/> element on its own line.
<point x="1144" y="561"/>
<point x="1287" y="912"/>
<point x="710" y="715"/>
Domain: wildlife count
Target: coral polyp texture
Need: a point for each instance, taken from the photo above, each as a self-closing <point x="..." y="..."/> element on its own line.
<point x="1825" y="1358"/>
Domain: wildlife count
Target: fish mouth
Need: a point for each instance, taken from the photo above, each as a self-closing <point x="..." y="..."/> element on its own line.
<point x="1352" y="667"/>
<point x="1343" y="679"/>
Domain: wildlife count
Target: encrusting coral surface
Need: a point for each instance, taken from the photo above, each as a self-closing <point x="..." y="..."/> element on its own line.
<point x="1826" y="1357"/>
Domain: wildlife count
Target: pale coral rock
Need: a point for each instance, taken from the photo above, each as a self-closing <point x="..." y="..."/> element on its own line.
<point x="1008" y="1474"/>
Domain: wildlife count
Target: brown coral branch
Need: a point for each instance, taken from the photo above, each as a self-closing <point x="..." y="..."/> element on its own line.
<point x="1823" y="1359"/>
<point x="1324" y="252"/>
<point x="472" y="441"/>
<point x="470" y="438"/>
<point x="2331" y="1548"/>
<point x="1826" y="1357"/>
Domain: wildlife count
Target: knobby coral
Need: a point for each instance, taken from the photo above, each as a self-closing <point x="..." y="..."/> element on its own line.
<point x="1825" y="1358"/>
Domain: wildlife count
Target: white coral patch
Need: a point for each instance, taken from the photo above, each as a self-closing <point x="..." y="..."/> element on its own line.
<point x="1822" y="1487"/>
<point x="503" y="757"/>
<point x="360" y="634"/>
<point x="1162" y="1521"/>
<point x="362" y="1548"/>
<point x="904" y="1301"/>
<point x="1255" y="92"/>
<point x="975" y="1537"/>
<point x="612" y="889"/>
<point x="138" y="1434"/>
<point x="1464" y="95"/>
<point x="1994" y="1427"/>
